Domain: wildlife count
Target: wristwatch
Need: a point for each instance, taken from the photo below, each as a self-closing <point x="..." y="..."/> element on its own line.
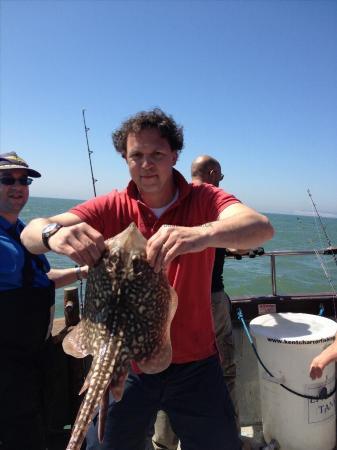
<point x="48" y="231"/>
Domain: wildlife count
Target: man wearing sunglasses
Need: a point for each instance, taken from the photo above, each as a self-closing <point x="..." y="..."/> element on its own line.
<point x="27" y="295"/>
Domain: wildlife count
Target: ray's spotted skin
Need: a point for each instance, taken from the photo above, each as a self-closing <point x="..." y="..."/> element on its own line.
<point x="127" y="316"/>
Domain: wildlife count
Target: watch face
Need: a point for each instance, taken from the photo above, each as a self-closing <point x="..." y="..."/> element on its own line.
<point x="48" y="231"/>
<point x="50" y="228"/>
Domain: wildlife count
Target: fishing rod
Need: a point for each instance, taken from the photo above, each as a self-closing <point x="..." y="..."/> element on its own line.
<point x="322" y="225"/>
<point x="93" y="180"/>
<point x="86" y="129"/>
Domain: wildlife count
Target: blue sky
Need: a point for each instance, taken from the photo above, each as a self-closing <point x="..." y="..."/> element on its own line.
<point x="254" y="83"/>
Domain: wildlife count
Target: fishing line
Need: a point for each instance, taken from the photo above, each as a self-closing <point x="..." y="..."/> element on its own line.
<point x="318" y="256"/>
<point x="320" y="259"/>
<point x="324" y="267"/>
<point x="323" y="227"/>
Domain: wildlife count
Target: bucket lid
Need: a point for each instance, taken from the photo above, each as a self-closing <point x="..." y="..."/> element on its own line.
<point x="294" y="328"/>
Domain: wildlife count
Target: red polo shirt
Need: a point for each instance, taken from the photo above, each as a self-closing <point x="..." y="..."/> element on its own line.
<point x="192" y="331"/>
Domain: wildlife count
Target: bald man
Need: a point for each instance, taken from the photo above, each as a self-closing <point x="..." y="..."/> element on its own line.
<point x="206" y="169"/>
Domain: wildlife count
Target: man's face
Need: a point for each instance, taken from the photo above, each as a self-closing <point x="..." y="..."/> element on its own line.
<point x="13" y="197"/>
<point x="150" y="160"/>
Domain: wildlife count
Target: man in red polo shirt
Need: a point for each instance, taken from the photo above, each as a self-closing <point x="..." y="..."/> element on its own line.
<point x="183" y="224"/>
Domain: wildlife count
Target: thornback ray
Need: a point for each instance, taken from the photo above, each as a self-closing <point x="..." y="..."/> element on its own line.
<point x="127" y="316"/>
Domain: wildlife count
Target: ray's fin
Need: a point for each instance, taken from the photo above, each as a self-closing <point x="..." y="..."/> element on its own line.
<point x="162" y="356"/>
<point x="73" y="344"/>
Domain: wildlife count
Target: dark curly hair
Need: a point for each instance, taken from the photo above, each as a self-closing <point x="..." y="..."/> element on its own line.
<point x="143" y="120"/>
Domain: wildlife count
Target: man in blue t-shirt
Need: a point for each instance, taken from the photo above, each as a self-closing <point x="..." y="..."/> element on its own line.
<point x="27" y="295"/>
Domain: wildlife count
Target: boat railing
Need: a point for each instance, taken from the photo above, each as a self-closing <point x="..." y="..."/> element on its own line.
<point x="276" y="253"/>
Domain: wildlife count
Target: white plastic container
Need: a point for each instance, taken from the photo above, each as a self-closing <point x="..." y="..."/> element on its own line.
<point x="286" y="344"/>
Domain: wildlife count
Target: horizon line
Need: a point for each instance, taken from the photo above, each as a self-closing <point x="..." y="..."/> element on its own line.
<point x="304" y="213"/>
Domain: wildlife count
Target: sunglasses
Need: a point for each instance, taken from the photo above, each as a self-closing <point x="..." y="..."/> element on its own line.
<point x="9" y="181"/>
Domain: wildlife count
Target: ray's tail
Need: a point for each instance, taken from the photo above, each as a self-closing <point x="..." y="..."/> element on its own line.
<point x="101" y="371"/>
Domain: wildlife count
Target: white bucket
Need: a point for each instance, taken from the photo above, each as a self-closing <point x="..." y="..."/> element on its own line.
<point x="286" y="344"/>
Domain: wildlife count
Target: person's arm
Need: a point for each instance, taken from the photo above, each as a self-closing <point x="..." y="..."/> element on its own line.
<point x="63" y="277"/>
<point x="238" y="227"/>
<point x="322" y="360"/>
<point x="76" y="239"/>
<point x="242" y="226"/>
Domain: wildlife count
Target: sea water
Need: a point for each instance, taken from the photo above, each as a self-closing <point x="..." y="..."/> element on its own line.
<point x="295" y="274"/>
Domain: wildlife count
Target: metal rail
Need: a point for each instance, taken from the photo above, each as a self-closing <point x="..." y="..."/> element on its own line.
<point x="324" y="251"/>
<point x="273" y="254"/>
